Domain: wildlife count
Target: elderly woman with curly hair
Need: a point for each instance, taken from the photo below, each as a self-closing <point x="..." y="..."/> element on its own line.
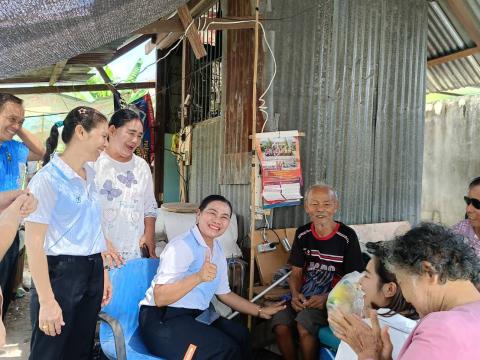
<point x="436" y="271"/>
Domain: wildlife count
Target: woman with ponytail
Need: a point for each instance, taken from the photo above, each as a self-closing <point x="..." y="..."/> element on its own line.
<point x="126" y="192"/>
<point x="64" y="240"/>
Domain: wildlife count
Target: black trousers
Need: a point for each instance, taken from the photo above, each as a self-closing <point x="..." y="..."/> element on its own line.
<point x="8" y="268"/>
<point x="167" y="332"/>
<point x="77" y="283"/>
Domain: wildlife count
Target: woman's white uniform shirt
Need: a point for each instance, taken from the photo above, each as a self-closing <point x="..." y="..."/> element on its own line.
<point x="70" y="207"/>
<point x="184" y="256"/>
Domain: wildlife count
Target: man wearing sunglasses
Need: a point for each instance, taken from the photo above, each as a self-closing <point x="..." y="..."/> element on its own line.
<point x="470" y="227"/>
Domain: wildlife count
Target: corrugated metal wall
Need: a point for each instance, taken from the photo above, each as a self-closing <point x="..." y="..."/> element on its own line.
<point x="351" y="75"/>
<point x="207" y="146"/>
<point x="205" y="171"/>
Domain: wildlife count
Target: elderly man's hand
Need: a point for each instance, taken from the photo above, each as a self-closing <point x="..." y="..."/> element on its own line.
<point x="367" y="342"/>
<point x="317" y="301"/>
<point x="298" y="302"/>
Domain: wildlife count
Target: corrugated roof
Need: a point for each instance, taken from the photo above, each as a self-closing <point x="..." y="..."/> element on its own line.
<point x="446" y="35"/>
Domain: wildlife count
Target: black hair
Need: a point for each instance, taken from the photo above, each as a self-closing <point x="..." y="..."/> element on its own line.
<point x="448" y="253"/>
<point x="211" y="198"/>
<point x="397" y="304"/>
<point x="85" y="116"/>
<point x="122" y="117"/>
<point x="4" y="98"/>
<point x="474" y="182"/>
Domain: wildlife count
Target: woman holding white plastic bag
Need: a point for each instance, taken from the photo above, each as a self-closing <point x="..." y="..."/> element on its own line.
<point x="383" y="294"/>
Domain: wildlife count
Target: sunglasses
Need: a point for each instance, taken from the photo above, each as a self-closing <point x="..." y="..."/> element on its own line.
<point x="475" y="202"/>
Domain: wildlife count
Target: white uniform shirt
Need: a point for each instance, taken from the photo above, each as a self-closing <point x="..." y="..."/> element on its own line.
<point x="400" y="328"/>
<point x="126" y="196"/>
<point x="184" y="256"/>
<point x="70" y="207"/>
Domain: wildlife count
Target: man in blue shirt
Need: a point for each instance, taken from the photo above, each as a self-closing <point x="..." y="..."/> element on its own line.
<point x="13" y="157"/>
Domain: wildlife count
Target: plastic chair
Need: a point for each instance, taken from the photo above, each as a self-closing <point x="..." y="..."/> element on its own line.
<point x="327" y="339"/>
<point x="119" y="333"/>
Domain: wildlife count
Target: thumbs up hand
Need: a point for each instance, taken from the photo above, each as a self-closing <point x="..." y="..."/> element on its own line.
<point x="208" y="272"/>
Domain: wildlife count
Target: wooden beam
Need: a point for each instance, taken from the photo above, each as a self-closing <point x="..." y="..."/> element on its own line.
<point x="161" y="119"/>
<point x="191" y="32"/>
<point x="162" y="26"/>
<point x="453" y="56"/>
<point x="57" y="71"/>
<point x="133" y="44"/>
<point x="104" y="75"/>
<point x="175" y="25"/>
<point x="168" y="40"/>
<point x="196" y="7"/>
<point x="75" y="88"/>
<point x="462" y="12"/>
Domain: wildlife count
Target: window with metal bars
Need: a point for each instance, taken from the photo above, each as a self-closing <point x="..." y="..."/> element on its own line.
<point x="203" y="78"/>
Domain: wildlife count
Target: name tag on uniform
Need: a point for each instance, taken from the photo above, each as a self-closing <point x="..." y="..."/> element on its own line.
<point x="207" y="317"/>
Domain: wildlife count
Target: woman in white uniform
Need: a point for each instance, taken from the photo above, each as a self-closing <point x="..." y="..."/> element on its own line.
<point x="64" y="241"/>
<point x="176" y="311"/>
<point x="125" y="184"/>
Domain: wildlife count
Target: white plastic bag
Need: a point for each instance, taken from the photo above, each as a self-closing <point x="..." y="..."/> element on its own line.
<point x="347" y="295"/>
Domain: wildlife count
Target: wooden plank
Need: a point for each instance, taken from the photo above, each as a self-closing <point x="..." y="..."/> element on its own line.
<point x="57" y="71"/>
<point x="131" y="45"/>
<point x="454" y="56"/>
<point x="75" y="88"/>
<point x="175" y="25"/>
<point x="462" y="12"/>
<point x="235" y="168"/>
<point x="163" y="25"/>
<point x="169" y="40"/>
<point x="269" y="262"/>
<point x="254" y="157"/>
<point x="191" y="31"/>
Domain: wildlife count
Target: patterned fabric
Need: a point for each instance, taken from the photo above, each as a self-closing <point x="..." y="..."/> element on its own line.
<point x="127" y="198"/>
<point x="465" y="228"/>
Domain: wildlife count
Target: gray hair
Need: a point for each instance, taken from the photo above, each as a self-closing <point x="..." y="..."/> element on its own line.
<point x="321" y="186"/>
<point x="451" y="257"/>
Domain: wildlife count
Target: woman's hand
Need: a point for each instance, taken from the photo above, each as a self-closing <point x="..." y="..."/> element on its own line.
<point x="50" y="318"/>
<point x="268" y="311"/>
<point x="111" y="257"/>
<point x="150" y="246"/>
<point x="107" y="289"/>
<point x="28" y="204"/>
<point x="208" y="271"/>
<point x="367" y="342"/>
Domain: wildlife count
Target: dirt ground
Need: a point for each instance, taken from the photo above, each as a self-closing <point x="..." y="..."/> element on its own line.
<point x="17" y="324"/>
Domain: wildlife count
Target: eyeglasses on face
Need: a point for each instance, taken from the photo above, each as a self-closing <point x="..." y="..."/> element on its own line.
<point x="475" y="202"/>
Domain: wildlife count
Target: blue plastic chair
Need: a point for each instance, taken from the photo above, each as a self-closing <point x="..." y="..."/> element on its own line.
<point x="119" y="333"/>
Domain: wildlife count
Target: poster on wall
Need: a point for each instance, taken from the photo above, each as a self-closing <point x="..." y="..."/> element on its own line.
<point x="145" y="107"/>
<point x="279" y="155"/>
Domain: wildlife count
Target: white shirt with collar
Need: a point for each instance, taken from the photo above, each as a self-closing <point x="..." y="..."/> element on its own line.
<point x="69" y="206"/>
<point x="184" y="256"/>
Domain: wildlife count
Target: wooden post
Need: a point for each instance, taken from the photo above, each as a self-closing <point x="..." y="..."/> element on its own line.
<point x="181" y="163"/>
<point x="254" y="159"/>
<point x="160" y="125"/>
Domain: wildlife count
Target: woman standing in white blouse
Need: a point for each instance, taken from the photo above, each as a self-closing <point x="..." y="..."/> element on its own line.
<point x="125" y="183"/>
<point x="64" y="242"/>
